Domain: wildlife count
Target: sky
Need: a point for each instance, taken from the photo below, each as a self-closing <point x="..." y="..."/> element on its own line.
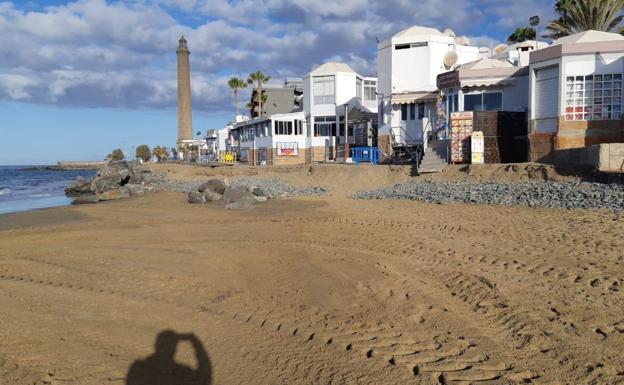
<point x="80" y="78"/>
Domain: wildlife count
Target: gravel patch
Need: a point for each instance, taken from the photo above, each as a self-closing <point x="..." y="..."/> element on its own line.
<point x="274" y="187"/>
<point x="277" y="187"/>
<point x="568" y="195"/>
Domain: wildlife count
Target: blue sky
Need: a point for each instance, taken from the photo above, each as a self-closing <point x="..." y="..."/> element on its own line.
<point x="79" y="78"/>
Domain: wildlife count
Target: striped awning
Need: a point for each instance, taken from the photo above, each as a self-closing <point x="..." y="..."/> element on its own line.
<point x="487" y="82"/>
<point x="413" y="97"/>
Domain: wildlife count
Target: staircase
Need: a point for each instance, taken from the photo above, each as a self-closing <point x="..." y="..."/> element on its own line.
<point x="435" y="157"/>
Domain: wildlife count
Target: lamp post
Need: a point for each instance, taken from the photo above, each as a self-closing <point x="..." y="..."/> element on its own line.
<point x="535" y="20"/>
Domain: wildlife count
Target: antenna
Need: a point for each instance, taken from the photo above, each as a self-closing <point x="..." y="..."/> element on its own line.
<point x="501" y="48"/>
<point x="450" y="59"/>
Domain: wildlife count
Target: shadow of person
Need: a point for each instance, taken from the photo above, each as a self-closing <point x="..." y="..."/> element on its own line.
<point x="160" y="368"/>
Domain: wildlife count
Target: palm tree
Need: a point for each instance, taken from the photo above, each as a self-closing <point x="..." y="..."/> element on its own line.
<point x="258" y="78"/>
<point x="582" y="15"/>
<point x="236" y="84"/>
<point x="522" y="34"/>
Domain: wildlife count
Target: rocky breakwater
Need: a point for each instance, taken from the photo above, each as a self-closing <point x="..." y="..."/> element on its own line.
<point x="245" y="193"/>
<point x="116" y="180"/>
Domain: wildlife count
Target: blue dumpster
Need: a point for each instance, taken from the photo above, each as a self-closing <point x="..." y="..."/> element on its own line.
<point x="365" y="154"/>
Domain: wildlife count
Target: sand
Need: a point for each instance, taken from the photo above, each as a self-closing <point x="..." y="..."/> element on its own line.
<point x="314" y="290"/>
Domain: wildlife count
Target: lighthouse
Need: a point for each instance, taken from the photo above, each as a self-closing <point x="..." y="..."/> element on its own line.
<point x="185" y="124"/>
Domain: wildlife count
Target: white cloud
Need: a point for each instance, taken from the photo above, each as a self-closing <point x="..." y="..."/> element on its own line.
<point x="105" y="53"/>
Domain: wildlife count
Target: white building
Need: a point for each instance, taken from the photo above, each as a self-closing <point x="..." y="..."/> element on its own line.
<point x="576" y="93"/>
<point x="485" y="85"/>
<point x="408" y="66"/>
<point x="217" y="140"/>
<point x="328" y="91"/>
<point x="276" y="140"/>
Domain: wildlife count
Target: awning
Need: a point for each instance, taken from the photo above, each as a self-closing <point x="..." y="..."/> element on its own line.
<point x="413" y="97"/>
<point x="470" y="83"/>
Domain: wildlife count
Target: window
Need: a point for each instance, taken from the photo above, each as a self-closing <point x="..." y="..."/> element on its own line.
<point x="298" y="127"/>
<point x="489" y="101"/>
<point x="325" y="126"/>
<point x="283" y="128"/>
<point x="472" y="102"/>
<point x="408" y="111"/>
<point x="358" y="88"/>
<point x="323" y="90"/>
<point x="594" y="97"/>
<point x="412" y="45"/>
<point x="370" y="87"/>
<point x="421" y="111"/>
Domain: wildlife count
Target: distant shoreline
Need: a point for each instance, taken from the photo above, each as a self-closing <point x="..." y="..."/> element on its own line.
<point x="70" y="166"/>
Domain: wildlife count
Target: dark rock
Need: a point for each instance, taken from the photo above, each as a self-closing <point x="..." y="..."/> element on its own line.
<point x="260" y="192"/>
<point x="110" y="181"/>
<point x="215" y="185"/>
<point x="196" y="197"/>
<point x="80" y="187"/>
<point x="211" y="196"/>
<point x="239" y="197"/>
<point x="85" y="199"/>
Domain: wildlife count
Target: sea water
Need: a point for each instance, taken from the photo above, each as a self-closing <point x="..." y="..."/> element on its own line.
<point x="24" y="188"/>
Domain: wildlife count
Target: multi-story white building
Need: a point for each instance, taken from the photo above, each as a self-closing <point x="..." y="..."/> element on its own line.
<point x="408" y="65"/>
<point x="576" y="91"/>
<point x="330" y="91"/>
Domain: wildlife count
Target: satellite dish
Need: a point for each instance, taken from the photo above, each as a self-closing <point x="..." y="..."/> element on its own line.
<point x="485" y="52"/>
<point x="501" y="48"/>
<point x="450" y="59"/>
<point x="449" y="32"/>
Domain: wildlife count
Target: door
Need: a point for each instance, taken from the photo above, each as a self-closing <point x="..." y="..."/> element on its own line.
<point x="546" y="99"/>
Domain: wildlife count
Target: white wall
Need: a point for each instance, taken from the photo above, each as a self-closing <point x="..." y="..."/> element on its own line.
<point x="593" y="64"/>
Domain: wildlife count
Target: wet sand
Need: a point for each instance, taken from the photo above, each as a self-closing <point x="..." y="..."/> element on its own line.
<point x="317" y="290"/>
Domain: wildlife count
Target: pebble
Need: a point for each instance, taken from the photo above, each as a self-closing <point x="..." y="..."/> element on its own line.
<point x="567" y="195"/>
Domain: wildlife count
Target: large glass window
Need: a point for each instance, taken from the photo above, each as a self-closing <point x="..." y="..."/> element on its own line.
<point x="325" y="126"/>
<point x="594" y="97"/>
<point x="370" y="87"/>
<point x="358" y="88"/>
<point x="324" y="90"/>
<point x="489" y="101"/>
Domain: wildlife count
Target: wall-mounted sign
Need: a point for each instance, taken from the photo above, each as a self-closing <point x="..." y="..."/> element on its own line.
<point x="287" y="149"/>
<point x="477" y="147"/>
<point x="448" y="80"/>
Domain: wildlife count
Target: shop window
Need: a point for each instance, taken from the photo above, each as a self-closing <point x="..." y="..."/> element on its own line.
<point x="472" y="102"/>
<point x="593" y="97"/>
<point x="488" y="101"/>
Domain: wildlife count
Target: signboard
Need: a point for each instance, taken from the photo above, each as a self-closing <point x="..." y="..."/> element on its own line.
<point x="287" y="149"/>
<point x="534" y="20"/>
<point x="477" y="147"/>
<point x="461" y="130"/>
<point x="448" y="80"/>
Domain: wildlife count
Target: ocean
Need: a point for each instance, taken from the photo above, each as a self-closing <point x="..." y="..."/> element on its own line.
<point x="24" y="188"/>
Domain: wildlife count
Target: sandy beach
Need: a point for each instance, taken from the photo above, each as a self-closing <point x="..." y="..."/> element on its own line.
<point x="313" y="290"/>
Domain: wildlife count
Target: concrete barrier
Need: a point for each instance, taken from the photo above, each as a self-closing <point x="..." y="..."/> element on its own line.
<point x="606" y="157"/>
